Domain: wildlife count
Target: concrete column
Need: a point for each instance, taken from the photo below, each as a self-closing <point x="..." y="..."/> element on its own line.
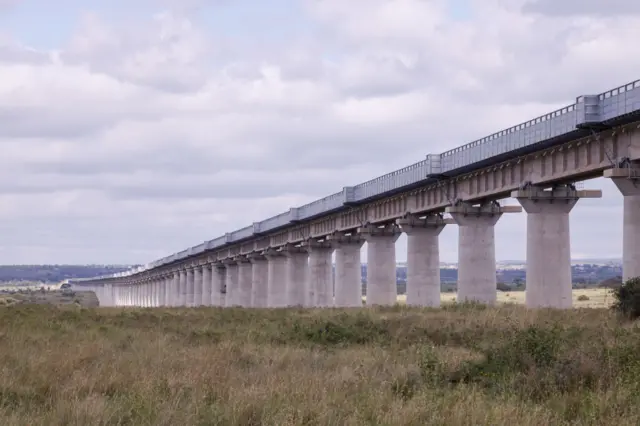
<point x="423" y="258"/>
<point x="108" y="289"/>
<point x="276" y="279"/>
<point x="156" y="292"/>
<point x="297" y="272"/>
<point x="151" y="293"/>
<point x="162" y="287"/>
<point x="146" y="294"/>
<point x="143" y="291"/>
<point x="348" y="275"/>
<point x="170" y="292"/>
<point x="382" y="287"/>
<point x="628" y="182"/>
<point x="103" y="299"/>
<point x="549" y="281"/>
<point x="320" y="280"/>
<point x="182" y="292"/>
<point x="197" y="286"/>
<point x="245" y="282"/>
<point x="190" y="287"/>
<point x="218" y="276"/>
<point x="477" y="250"/>
<point x="205" y="299"/>
<point x="169" y="289"/>
<point x="259" y="280"/>
<point x="173" y="284"/>
<point x="231" y="282"/>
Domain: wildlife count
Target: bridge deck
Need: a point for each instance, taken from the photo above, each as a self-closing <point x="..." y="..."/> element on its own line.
<point x="589" y="113"/>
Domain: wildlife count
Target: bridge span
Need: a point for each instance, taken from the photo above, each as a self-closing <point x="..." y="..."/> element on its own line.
<point x="286" y="260"/>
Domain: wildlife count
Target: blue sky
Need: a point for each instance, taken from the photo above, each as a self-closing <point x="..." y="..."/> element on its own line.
<point x="50" y="24"/>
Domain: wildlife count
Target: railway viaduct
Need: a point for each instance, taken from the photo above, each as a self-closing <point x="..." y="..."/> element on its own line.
<point x="286" y="260"/>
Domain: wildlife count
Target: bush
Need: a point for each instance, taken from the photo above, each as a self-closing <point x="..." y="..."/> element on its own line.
<point x="583" y="298"/>
<point x="627" y="298"/>
<point x="503" y="287"/>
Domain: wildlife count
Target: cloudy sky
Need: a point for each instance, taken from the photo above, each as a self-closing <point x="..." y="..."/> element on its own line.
<point x="133" y="129"/>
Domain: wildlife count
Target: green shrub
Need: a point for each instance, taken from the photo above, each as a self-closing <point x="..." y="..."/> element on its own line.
<point x="627" y="298"/>
<point x="583" y="298"/>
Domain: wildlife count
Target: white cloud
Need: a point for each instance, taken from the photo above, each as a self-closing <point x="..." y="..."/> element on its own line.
<point x="138" y="139"/>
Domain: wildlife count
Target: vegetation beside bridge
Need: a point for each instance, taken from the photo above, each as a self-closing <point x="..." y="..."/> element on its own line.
<point x="401" y="366"/>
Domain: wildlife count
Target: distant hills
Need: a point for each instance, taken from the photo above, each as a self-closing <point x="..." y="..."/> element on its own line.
<point x="585" y="272"/>
<point x="54" y="273"/>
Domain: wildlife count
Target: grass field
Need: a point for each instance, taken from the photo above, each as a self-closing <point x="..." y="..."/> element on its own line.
<point x="459" y="365"/>
<point x="582" y="298"/>
<point x="82" y="298"/>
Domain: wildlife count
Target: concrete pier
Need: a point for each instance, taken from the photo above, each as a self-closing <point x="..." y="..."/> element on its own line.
<point x="423" y="258"/>
<point x="190" y="287"/>
<point x="231" y="280"/>
<point x="348" y="279"/>
<point x="320" y="280"/>
<point x="161" y="288"/>
<point x="153" y="286"/>
<point x="157" y="292"/>
<point x="381" y="264"/>
<point x="276" y="279"/>
<point x="477" y="250"/>
<point x="259" y="281"/>
<point x="549" y="282"/>
<point x="175" y="290"/>
<point x="182" y="291"/>
<point x="245" y="282"/>
<point x="627" y="180"/>
<point x="197" y="286"/>
<point x="296" y="275"/>
<point x="205" y="299"/>
<point x="218" y="276"/>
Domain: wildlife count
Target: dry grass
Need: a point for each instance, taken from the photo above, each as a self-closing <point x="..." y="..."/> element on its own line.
<point x="597" y="298"/>
<point x="460" y="365"/>
<point x="82" y="298"/>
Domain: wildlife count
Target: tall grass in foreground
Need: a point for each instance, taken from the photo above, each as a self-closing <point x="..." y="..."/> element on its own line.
<point x="461" y="365"/>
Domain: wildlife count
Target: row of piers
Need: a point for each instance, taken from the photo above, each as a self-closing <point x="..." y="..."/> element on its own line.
<point x="302" y="275"/>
